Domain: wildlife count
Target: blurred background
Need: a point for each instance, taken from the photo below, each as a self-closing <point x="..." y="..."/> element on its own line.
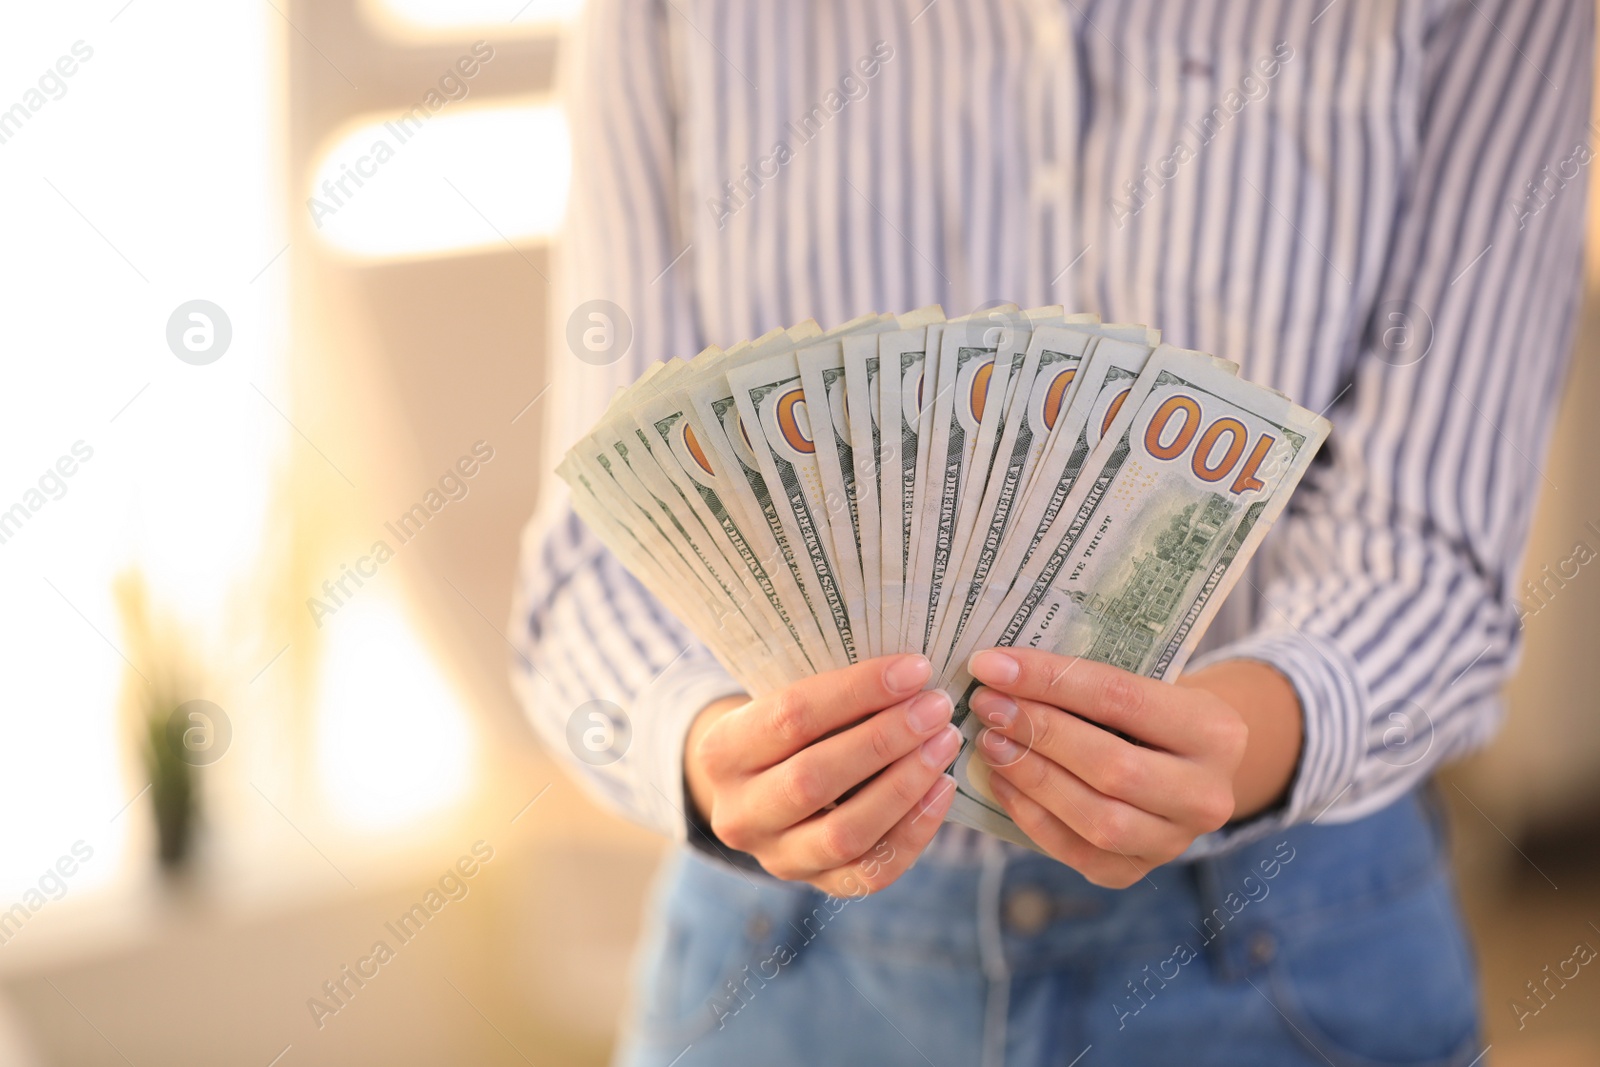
<point x="274" y="330"/>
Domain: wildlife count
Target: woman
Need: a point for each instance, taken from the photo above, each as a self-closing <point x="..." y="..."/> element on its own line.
<point x="1363" y="205"/>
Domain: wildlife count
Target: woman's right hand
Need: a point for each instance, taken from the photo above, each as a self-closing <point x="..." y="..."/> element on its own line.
<point x="763" y="773"/>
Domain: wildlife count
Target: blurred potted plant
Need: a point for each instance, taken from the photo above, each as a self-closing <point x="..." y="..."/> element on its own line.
<point x="172" y="734"/>
<point x="172" y="789"/>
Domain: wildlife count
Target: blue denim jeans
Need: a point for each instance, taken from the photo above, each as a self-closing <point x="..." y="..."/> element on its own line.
<point x="1338" y="945"/>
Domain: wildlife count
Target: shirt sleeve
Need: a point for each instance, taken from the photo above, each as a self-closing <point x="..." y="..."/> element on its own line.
<point x="1387" y="596"/>
<point x="608" y="678"/>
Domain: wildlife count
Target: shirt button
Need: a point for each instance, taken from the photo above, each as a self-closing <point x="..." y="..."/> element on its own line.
<point x="1262" y="947"/>
<point x="758" y="927"/>
<point x="1029" y="910"/>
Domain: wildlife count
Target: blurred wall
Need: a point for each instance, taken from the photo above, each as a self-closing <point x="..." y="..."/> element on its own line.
<point x="405" y="364"/>
<point x="1541" y="773"/>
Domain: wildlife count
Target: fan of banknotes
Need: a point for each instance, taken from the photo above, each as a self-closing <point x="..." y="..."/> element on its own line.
<point x="915" y="484"/>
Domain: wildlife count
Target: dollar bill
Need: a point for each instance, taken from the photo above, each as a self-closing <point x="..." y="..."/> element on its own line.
<point x="873" y="454"/>
<point x="1104" y="382"/>
<point x="1043" y="386"/>
<point x="671" y="417"/>
<point x="720" y="480"/>
<point x="848" y="456"/>
<point x="622" y="535"/>
<point x="712" y="611"/>
<point x="624" y="453"/>
<point x="904" y="414"/>
<point x="771" y="401"/>
<point x="733" y="447"/>
<point x="1188" y="478"/>
<point x="959" y="359"/>
<point x="822" y="380"/>
<point x="968" y="373"/>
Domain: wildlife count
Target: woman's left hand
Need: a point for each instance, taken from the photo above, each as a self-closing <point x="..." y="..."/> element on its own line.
<point x="1110" y="809"/>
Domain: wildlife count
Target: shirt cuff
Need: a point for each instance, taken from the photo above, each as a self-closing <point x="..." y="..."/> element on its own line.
<point x="1333" y="706"/>
<point x="673" y="701"/>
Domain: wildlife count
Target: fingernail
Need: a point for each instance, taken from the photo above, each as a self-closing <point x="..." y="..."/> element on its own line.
<point x="996" y="709"/>
<point x="907" y="673"/>
<point x="998" y="748"/>
<point x="995" y="667"/>
<point x="940" y="749"/>
<point x="928" y="711"/>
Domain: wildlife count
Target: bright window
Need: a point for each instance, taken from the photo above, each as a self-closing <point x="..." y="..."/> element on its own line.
<point x="483" y="176"/>
<point x="432" y="17"/>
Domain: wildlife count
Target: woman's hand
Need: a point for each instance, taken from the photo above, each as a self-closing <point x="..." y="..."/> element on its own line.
<point x="765" y="773"/>
<point x="1110" y="808"/>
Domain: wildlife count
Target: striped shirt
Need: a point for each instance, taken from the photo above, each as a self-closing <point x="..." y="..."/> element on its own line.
<point x="1375" y="206"/>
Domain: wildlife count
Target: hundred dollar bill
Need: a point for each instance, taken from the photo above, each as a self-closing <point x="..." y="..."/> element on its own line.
<point x="967" y="373"/>
<point x="822" y="380"/>
<point x="690" y="517"/>
<point x="1104" y="382"/>
<point x="906" y="408"/>
<point x="1041" y="384"/>
<point x="740" y="446"/>
<point x="625" y="454"/>
<point x="904" y="415"/>
<point x="968" y="408"/>
<point x="656" y="382"/>
<point x="712" y="610"/>
<point x="849" y="462"/>
<point x="1016" y="358"/>
<point x="1042" y="387"/>
<point x="1189" y="477"/>
<point x="732" y="446"/>
<point x="641" y="554"/>
<point x="879" y="371"/>
<point x="747" y="659"/>
<point x="771" y="400"/>
<point x="672" y="419"/>
<point x="873" y="455"/>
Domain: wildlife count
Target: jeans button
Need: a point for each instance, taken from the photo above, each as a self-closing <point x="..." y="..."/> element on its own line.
<point x="1028" y="910"/>
<point x="1261" y="947"/>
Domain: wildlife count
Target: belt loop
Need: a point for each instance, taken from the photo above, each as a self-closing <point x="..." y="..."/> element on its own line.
<point x="992" y="950"/>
